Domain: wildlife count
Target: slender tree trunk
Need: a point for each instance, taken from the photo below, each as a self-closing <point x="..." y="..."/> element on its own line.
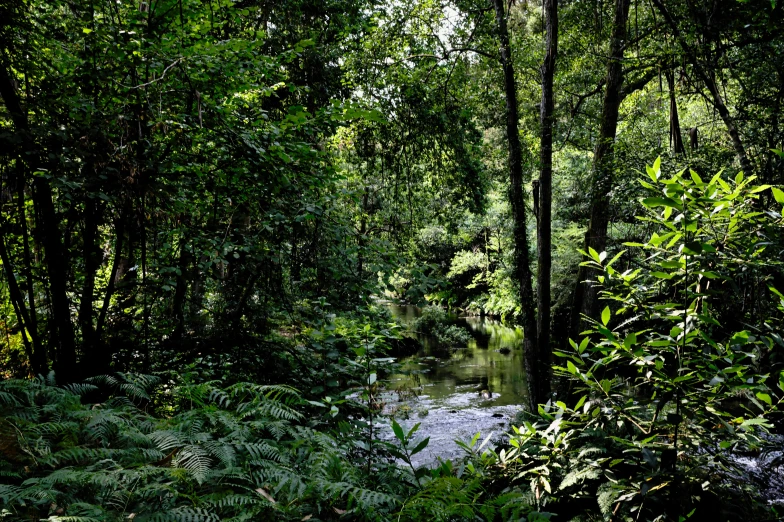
<point x="676" y="140"/>
<point x="544" y="232"/>
<point x="586" y="299"/>
<point x="522" y="270"/>
<point x="39" y="361"/>
<point x="22" y="317"/>
<point x="95" y="361"/>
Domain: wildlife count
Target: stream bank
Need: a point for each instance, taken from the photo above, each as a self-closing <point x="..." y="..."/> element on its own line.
<point x="456" y="392"/>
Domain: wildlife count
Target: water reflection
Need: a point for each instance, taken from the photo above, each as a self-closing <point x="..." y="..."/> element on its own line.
<point x="490" y="366"/>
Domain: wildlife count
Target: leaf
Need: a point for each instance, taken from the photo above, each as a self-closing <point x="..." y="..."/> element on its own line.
<point x="606" y="313"/>
<point x="757" y="421"/>
<point x="764" y="397"/>
<point x="422" y="445"/>
<point x="571" y="368"/>
<point x="398" y="431"/>
<point x="372" y="378"/>
<point x="661" y="202"/>
<point x="778" y="194"/>
<point x="616" y="258"/>
<point x="630" y="340"/>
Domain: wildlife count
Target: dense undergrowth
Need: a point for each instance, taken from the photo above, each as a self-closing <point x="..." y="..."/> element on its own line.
<point x="655" y="400"/>
<point x="187" y="451"/>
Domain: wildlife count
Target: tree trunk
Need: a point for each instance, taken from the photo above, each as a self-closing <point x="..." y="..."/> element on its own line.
<point x="522" y="270"/>
<point x="56" y="263"/>
<point x="676" y="140"/>
<point x="49" y="225"/>
<point x="586" y="298"/>
<point x="544" y="232"/>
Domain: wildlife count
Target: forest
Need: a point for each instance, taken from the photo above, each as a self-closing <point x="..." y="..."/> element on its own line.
<point x="409" y="260"/>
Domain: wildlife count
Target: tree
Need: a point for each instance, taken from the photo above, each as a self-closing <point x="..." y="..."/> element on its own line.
<point x="537" y="389"/>
<point x="545" y="187"/>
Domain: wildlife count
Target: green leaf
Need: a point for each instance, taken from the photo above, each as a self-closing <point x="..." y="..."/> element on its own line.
<point x="630" y="340"/>
<point x="398" y="431"/>
<point x="757" y="421"/>
<point x="606" y="313"/>
<point x="661" y="202"/>
<point x="615" y="258"/>
<point x="778" y="194"/>
<point x="571" y="368"/>
<point x="422" y="445"/>
<point x="764" y="397"/>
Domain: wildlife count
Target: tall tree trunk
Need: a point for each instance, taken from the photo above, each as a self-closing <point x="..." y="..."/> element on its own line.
<point x="706" y="75"/>
<point x="522" y="270"/>
<point x="95" y="360"/>
<point x="586" y="298"/>
<point x="49" y="224"/>
<point x="56" y="263"/>
<point x="676" y="140"/>
<point x="40" y="361"/>
<point x="544" y="232"/>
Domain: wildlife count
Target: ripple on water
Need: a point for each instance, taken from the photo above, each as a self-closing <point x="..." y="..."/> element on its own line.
<point x="456" y="417"/>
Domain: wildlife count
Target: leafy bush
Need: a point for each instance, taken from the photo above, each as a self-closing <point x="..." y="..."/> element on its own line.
<point x="666" y="391"/>
<point x="435" y="322"/>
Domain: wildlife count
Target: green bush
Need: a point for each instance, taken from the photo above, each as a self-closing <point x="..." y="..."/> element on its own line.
<point x="662" y="391"/>
<point x="435" y="322"/>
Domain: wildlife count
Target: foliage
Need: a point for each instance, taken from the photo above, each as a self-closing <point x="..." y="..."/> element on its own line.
<point x="435" y="322"/>
<point x="244" y="451"/>
<point x="667" y="390"/>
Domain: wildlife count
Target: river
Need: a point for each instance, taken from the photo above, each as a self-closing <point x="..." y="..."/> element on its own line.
<point x="456" y="393"/>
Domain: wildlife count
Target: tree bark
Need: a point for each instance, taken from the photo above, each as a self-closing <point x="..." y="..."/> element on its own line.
<point x="586" y="299"/>
<point x="676" y="140"/>
<point x="522" y="269"/>
<point x="544" y="221"/>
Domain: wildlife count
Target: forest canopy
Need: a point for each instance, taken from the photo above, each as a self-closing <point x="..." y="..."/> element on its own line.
<point x="207" y="207"/>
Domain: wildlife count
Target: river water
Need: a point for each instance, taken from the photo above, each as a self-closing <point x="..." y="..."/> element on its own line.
<point x="478" y="388"/>
<point x="456" y="393"/>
